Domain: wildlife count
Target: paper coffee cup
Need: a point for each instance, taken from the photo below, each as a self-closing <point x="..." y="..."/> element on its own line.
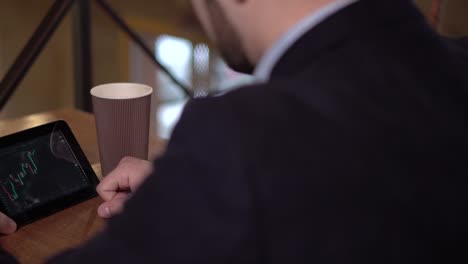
<point x="122" y="113"/>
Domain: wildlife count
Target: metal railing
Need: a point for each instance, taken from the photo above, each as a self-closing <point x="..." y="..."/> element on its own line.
<point x="83" y="66"/>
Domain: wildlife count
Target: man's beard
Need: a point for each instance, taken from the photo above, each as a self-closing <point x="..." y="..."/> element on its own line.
<point x="228" y="40"/>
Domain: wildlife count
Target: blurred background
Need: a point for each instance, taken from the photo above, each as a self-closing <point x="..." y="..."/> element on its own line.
<point x="167" y="26"/>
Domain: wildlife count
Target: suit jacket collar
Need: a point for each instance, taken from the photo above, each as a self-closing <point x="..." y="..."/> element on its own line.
<point x="352" y="22"/>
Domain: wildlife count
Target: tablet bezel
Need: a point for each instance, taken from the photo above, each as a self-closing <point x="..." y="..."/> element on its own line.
<point x="66" y="201"/>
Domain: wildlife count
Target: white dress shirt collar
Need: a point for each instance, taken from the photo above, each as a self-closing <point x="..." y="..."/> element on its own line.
<point x="273" y="55"/>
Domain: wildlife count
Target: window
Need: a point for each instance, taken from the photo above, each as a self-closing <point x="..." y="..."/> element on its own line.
<point x="176" y="54"/>
<point x="194" y="64"/>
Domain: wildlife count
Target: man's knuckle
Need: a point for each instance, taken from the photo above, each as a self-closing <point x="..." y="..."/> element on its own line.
<point x="127" y="159"/>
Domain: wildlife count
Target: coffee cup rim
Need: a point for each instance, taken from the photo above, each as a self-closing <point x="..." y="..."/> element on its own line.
<point x="144" y="90"/>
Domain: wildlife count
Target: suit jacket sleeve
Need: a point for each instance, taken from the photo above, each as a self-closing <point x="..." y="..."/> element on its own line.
<point x="193" y="209"/>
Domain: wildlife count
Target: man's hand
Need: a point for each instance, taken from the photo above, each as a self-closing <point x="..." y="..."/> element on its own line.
<point x="116" y="187"/>
<point x="7" y="226"/>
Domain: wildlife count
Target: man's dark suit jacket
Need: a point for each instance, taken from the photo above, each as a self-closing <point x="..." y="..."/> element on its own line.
<point x="354" y="152"/>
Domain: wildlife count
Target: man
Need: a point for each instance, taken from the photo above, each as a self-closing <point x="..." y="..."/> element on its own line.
<point x="351" y="148"/>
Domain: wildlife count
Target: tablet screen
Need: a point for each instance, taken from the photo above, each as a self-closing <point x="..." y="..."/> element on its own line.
<point x="39" y="170"/>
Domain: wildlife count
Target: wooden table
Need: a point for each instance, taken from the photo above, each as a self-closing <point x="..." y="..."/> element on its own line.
<point x="36" y="242"/>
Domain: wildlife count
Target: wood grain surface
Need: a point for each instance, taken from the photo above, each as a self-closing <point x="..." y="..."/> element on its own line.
<point x="40" y="240"/>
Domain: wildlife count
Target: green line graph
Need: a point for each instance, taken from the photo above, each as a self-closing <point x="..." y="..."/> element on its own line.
<point x="11" y="184"/>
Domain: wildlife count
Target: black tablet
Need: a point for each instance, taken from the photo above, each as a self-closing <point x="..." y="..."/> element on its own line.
<point x="42" y="171"/>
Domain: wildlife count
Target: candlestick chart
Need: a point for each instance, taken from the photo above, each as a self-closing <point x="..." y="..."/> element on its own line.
<point x="12" y="185"/>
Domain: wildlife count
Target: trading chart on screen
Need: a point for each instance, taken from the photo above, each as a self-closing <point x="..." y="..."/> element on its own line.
<point x="38" y="171"/>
